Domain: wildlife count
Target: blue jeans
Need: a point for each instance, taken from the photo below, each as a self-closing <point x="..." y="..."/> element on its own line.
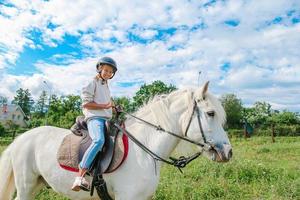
<point x="96" y="131"/>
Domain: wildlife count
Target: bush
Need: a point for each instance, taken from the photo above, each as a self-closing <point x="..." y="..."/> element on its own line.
<point x="235" y="132"/>
<point x="21" y="130"/>
<point x="5" y="141"/>
<point x="280" y="130"/>
<point x="2" y="131"/>
<point x="36" y="122"/>
<point x="287" y="130"/>
<point x="297" y="130"/>
<point x="263" y="132"/>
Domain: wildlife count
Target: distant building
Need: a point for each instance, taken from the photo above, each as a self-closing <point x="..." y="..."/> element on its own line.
<point x="13" y="113"/>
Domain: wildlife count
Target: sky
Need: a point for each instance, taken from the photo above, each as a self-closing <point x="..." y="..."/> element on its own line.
<point x="246" y="47"/>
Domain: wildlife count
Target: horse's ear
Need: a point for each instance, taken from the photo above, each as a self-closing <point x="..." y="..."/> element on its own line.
<point x="205" y="88"/>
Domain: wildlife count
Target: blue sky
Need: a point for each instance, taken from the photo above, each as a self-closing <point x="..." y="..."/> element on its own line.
<point x="248" y="48"/>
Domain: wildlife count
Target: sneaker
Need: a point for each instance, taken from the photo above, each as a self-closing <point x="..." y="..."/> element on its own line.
<point x="81" y="183"/>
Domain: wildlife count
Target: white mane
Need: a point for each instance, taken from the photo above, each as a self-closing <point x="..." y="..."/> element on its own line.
<point x="160" y="106"/>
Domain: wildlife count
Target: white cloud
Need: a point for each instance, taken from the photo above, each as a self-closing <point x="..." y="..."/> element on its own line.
<point x="148" y="34"/>
<point x="249" y="77"/>
<point x="9" y="11"/>
<point x="263" y="57"/>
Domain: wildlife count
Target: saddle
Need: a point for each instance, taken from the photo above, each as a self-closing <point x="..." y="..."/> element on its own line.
<point x="73" y="147"/>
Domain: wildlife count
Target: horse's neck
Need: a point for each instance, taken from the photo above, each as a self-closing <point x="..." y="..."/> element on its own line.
<point x="157" y="113"/>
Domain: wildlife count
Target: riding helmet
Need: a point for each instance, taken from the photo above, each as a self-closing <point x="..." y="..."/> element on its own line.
<point x="108" y="61"/>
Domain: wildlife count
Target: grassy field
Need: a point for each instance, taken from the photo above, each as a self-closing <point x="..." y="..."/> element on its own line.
<point x="259" y="170"/>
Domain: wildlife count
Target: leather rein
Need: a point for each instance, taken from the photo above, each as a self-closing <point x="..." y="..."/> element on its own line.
<point x="182" y="161"/>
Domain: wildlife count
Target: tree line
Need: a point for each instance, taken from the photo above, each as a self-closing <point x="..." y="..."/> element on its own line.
<point x="62" y="110"/>
<point x="260" y="114"/>
<point x="260" y="117"/>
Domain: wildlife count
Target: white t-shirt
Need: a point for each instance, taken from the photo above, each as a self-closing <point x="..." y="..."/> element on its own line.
<point x="98" y="92"/>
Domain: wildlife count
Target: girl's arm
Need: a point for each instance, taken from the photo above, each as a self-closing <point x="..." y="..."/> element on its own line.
<point x="97" y="106"/>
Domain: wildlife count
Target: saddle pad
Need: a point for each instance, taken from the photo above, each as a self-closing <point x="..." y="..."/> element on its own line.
<point x="68" y="152"/>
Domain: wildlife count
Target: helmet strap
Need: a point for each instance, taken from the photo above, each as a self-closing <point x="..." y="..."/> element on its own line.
<point x="102" y="79"/>
<point x="112" y="75"/>
<point x="99" y="72"/>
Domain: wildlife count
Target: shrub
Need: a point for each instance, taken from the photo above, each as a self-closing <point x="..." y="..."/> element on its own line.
<point x="287" y="130"/>
<point x="280" y="130"/>
<point x="235" y="132"/>
<point x="2" y="130"/>
<point x="263" y="132"/>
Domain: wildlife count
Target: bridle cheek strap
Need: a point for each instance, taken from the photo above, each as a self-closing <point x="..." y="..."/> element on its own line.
<point x="200" y="124"/>
<point x="190" y="119"/>
<point x="195" y="109"/>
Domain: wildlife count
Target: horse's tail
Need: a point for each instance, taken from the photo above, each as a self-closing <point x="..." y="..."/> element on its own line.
<point x="7" y="183"/>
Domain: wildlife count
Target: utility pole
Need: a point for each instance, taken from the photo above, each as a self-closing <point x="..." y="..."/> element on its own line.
<point x="49" y="102"/>
<point x="199" y="78"/>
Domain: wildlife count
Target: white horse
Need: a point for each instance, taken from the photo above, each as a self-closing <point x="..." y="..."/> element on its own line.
<point x="30" y="163"/>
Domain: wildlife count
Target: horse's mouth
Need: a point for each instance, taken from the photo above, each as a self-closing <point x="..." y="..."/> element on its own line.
<point x="221" y="155"/>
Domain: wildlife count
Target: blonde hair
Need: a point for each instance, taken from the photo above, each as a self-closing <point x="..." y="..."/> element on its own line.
<point x="98" y="77"/>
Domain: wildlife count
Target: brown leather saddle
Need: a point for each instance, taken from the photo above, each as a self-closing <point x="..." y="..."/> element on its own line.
<point x="105" y="156"/>
<point x="109" y="159"/>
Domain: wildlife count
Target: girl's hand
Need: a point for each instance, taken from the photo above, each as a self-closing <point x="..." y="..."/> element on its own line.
<point x="109" y="105"/>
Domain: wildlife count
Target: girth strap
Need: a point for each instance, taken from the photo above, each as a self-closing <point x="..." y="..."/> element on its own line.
<point x="99" y="183"/>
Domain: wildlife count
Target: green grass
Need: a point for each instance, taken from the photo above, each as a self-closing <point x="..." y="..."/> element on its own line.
<point x="259" y="169"/>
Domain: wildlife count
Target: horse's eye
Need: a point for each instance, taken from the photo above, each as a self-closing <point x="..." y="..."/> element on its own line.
<point x="198" y="100"/>
<point x="211" y="113"/>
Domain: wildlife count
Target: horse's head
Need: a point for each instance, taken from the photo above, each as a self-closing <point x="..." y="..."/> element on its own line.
<point x="203" y="122"/>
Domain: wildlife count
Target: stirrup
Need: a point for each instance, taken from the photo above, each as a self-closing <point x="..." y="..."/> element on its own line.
<point x="81" y="183"/>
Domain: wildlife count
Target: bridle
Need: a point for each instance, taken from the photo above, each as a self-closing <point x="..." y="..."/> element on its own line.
<point x="195" y="109"/>
<point x="182" y="161"/>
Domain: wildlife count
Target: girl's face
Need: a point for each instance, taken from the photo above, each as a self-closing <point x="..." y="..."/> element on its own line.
<point x="106" y="71"/>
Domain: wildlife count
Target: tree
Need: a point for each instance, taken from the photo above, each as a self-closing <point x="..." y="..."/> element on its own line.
<point x="259" y="114"/>
<point x="125" y="103"/>
<point x="13" y="127"/>
<point x="284" y="118"/>
<point x="2" y="130"/>
<point x="146" y="92"/>
<point x="71" y="103"/>
<point x="24" y="100"/>
<point x="234" y="110"/>
<point x="3" y="100"/>
<point x="63" y="110"/>
<point x="41" y="105"/>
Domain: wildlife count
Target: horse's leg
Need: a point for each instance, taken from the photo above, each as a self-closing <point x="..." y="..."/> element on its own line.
<point x="40" y="184"/>
<point x="27" y="184"/>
